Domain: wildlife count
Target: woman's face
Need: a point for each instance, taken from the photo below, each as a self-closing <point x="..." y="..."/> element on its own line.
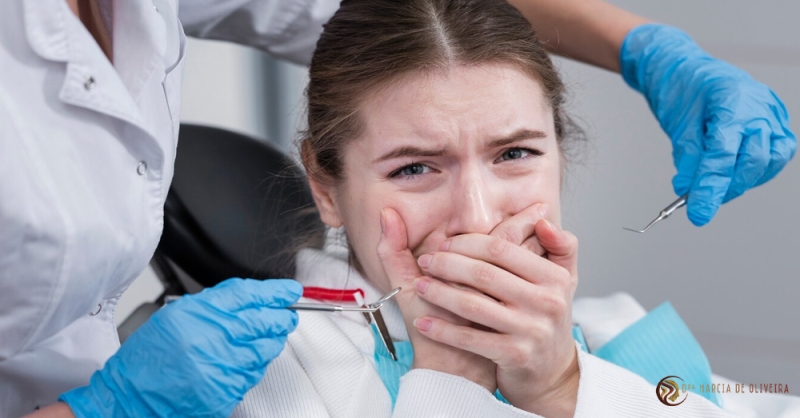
<point x="452" y="152"/>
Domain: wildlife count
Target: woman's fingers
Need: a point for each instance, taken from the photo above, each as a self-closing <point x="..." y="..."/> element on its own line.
<point x="398" y="262"/>
<point x="519" y="229"/>
<point x="470" y="305"/>
<point x="561" y="246"/>
<point x="533" y="245"/>
<point x="401" y="267"/>
<point x="487" y="278"/>
<point x="482" y="343"/>
<point x="481" y="253"/>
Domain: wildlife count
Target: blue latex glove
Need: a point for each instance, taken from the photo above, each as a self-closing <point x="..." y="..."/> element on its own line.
<point x="195" y="357"/>
<point x="729" y="132"/>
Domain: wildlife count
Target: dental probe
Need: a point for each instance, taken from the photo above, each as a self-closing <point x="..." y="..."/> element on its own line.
<point x="326" y="307"/>
<point x="664" y="213"/>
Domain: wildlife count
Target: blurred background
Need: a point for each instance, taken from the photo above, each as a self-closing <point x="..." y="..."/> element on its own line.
<point x="736" y="281"/>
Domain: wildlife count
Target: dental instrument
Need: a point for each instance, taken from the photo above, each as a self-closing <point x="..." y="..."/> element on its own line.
<point x="371" y="312"/>
<point x="664" y="213"/>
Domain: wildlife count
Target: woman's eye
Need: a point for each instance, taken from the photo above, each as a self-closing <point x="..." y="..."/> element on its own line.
<point x="411" y="170"/>
<point x="518" y="153"/>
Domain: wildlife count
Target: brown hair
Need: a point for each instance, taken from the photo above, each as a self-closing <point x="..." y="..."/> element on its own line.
<point x="370" y="43"/>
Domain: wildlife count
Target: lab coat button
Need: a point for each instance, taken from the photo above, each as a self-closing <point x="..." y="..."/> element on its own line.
<point x="89" y="83"/>
<point x="141" y="168"/>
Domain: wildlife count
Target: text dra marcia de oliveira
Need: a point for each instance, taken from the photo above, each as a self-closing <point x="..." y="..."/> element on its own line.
<point x="737" y="388"/>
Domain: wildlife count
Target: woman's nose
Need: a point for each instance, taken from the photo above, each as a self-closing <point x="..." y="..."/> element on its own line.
<point x="475" y="209"/>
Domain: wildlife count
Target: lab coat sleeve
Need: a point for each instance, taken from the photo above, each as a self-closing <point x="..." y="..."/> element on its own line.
<point x="607" y="390"/>
<point x="287" y="29"/>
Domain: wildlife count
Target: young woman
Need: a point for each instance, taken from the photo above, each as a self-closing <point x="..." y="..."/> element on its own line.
<point x="436" y="139"/>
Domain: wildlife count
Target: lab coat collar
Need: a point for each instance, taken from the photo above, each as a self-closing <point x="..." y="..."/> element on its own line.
<point x="91" y="81"/>
<point x="140" y="42"/>
<point x="45" y="27"/>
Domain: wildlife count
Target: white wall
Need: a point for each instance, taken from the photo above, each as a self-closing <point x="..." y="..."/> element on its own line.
<point x="736" y="282"/>
<point x="223" y="86"/>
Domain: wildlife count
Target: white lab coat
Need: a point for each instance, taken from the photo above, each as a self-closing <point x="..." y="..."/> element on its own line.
<point x="86" y="159"/>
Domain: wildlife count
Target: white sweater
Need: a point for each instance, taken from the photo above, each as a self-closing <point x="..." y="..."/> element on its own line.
<point x="327" y="368"/>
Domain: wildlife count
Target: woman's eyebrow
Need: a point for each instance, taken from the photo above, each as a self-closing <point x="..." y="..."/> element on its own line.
<point x="516" y="136"/>
<point x="411" y="152"/>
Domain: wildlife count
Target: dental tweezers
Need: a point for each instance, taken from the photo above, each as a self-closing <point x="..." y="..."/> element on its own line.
<point x="371" y="312"/>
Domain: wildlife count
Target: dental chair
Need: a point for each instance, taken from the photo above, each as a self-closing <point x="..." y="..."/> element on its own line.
<point x="236" y="208"/>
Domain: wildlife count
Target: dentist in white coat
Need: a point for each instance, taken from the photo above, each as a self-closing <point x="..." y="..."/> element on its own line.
<point x="89" y="105"/>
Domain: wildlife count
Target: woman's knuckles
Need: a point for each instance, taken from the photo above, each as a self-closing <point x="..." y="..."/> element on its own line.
<point x="533" y="245"/>
<point x="519" y="355"/>
<point x="557" y="308"/>
<point x="484" y="276"/>
<point x="383" y="250"/>
<point x="563" y="244"/>
<point x="470" y="308"/>
<point x="463" y="338"/>
<point x="498" y="248"/>
<point x="511" y="235"/>
<point x="562" y="277"/>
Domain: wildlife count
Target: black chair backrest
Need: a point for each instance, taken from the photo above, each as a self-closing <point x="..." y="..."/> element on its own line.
<point x="237" y="208"/>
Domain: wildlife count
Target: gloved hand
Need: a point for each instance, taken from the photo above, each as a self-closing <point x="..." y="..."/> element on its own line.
<point x="196" y="356"/>
<point x="729" y="132"/>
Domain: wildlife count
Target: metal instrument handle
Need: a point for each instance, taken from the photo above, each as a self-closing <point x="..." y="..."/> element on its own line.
<point x="323" y="307"/>
<point x="675" y="205"/>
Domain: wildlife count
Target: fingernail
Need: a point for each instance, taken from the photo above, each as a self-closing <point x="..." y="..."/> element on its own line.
<point x="552" y="225"/>
<point x="423" y="324"/>
<point x="543" y="210"/>
<point x="445" y="246"/>
<point x="383" y="228"/>
<point x="421" y="285"/>
<point x="424" y="260"/>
